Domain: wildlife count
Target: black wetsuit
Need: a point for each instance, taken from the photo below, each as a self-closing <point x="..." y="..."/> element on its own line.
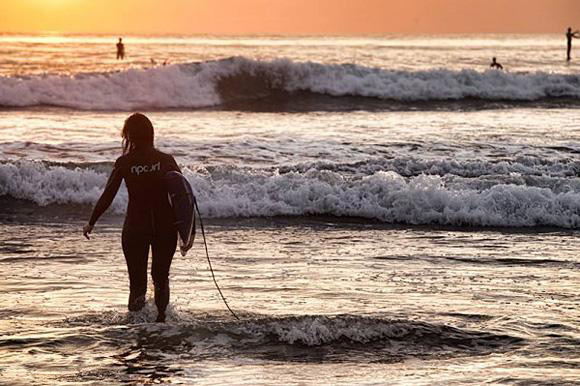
<point x="120" y="51"/>
<point x="149" y="221"/>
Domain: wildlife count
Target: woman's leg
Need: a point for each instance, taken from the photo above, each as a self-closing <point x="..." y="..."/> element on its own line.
<point x="163" y="248"/>
<point x="136" y="250"/>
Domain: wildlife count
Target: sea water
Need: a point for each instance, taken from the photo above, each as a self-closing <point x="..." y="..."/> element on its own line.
<point x="378" y="210"/>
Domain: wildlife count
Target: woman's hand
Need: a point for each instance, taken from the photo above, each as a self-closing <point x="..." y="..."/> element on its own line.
<point x="86" y="230"/>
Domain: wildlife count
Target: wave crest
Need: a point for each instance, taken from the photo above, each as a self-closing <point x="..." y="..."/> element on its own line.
<point x="195" y="85"/>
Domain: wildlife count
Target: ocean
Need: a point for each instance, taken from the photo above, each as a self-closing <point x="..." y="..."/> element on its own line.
<point x="378" y="210"/>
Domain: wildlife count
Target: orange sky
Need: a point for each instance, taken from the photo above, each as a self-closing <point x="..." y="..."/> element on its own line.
<point x="293" y="17"/>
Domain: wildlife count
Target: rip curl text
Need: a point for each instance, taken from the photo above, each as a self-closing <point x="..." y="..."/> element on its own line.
<point x="138" y="169"/>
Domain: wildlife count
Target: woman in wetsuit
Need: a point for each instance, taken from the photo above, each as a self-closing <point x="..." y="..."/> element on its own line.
<point x="149" y="220"/>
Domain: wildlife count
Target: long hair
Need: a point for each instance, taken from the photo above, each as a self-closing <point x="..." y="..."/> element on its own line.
<point x="137" y="132"/>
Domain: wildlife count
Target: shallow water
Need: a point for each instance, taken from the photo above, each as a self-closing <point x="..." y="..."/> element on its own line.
<point x="319" y="301"/>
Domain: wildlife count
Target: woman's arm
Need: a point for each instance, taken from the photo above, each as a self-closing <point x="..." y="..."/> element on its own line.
<point x="106" y="198"/>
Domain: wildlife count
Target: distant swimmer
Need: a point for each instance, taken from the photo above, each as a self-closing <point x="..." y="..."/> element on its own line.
<point x="120" y="49"/>
<point x="569" y="36"/>
<point x="495" y="64"/>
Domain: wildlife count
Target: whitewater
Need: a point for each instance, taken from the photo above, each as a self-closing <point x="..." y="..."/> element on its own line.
<point x="378" y="210"/>
<point x="385" y="196"/>
<point x="196" y="85"/>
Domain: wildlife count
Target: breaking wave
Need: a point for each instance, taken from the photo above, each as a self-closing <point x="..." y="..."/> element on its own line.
<point x="212" y="83"/>
<point x="385" y="196"/>
<point x="303" y="336"/>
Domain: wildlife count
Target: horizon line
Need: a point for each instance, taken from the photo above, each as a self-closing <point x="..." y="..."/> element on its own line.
<point x="298" y="35"/>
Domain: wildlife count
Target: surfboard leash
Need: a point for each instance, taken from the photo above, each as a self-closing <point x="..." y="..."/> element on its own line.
<point x="209" y="261"/>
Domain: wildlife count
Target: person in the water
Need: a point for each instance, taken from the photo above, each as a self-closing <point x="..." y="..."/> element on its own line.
<point x="495" y="64"/>
<point x="569" y="36"/>
<point x="120" y="49"/>
<point x="149" y="221"/>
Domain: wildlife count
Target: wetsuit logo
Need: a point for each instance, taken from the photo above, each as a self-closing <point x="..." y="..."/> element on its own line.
<point x="138" y="169"/>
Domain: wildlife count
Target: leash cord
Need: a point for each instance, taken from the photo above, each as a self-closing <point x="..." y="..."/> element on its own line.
<point x="209" y="261"/>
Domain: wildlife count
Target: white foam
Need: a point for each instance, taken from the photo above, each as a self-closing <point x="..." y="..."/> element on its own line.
<point x="46" y="185"/>
<point x="433" y="85"/>
<point x="388" y="197"/>
<point x="409" y="166"/>
<point x="324" y="330"/>
<point x="315" y="331"/>
<point x="197" y="84"/>
<point x="161" y="87"/>
<point x="383" y="196"/>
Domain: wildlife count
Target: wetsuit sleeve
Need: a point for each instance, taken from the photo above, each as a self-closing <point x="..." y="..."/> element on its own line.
<point x="108" y="195"/>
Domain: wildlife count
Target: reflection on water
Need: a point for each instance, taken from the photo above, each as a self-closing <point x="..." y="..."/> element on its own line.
<point x="347" y="301"/>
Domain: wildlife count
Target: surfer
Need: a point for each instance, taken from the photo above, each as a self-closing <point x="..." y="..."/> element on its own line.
<point x="495" y="64"/>
<point x="120" y="49"/>
<point x="149" y="221"/>
<point x="569" y="36"/>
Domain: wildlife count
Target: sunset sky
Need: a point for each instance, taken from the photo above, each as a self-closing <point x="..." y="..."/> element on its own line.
<point x="288" y="17"/>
